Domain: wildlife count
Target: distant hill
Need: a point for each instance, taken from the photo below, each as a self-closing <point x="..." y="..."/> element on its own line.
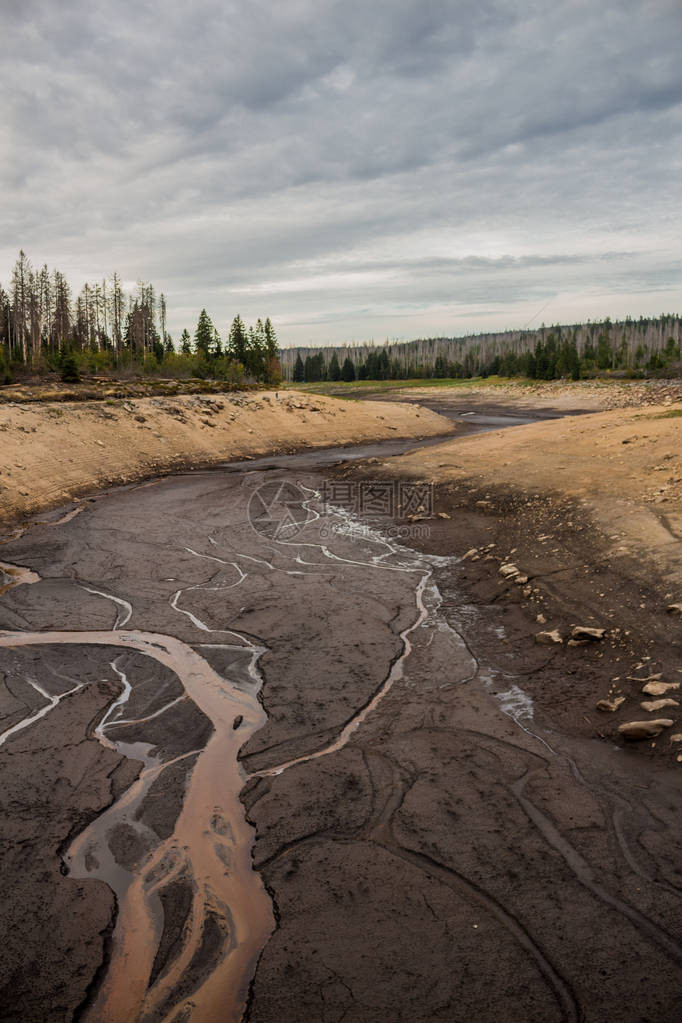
<point x="643" y="347"/>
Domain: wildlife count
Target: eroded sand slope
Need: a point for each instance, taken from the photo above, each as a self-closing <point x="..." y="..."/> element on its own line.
<point x="50" y="453"/>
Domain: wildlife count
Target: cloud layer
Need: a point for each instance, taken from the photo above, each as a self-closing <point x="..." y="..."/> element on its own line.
<point x="408" y="169"/>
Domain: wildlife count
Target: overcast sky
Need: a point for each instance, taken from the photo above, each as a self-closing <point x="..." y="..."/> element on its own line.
<point x="356" y="169"/>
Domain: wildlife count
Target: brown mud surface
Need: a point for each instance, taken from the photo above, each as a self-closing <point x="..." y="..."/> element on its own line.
<point x="447" y="827"/>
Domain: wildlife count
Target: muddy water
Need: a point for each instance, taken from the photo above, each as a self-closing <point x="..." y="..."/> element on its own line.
<point x="211" y="840"/>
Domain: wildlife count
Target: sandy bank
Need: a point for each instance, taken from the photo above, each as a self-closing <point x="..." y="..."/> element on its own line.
<point x="53" y="452"/>
<point x="623" y="465"/>
<point x="558" y="395"/>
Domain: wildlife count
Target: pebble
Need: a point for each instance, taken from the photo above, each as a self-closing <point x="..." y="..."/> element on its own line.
<point x="610" y="705"/>
<point x="548" y="638"/>
<point x="652" y="705"/>
<point x="635" y="730"/>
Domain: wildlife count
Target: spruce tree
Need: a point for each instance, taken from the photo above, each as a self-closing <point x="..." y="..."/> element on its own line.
<point x="238" y="341"/>
<point x="273" y="368"/>
<point x="348" y="370"/>
<point x="70" y="374"/>
<point x="334" y="368"/>
<point x="185" y="342"/>
<point x="298" y="369"/>
<point x="271" y="342"/>
<point x="204" y="335"/>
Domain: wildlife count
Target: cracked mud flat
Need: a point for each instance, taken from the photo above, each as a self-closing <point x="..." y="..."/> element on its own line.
<point x="427" y="847"/>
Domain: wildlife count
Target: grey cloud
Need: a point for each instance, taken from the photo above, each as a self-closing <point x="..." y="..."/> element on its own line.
<point x="466" y="154"/>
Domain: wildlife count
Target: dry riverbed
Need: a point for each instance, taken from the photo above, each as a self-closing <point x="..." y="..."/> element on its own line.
<point x="446" y="826"/>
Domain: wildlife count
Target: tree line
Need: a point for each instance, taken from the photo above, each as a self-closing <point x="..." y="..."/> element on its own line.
<point x="43" y="327"/>
<point x="636" y="348"/>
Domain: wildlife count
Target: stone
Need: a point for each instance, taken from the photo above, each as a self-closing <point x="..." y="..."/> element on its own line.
<point x="443" y="515"/>
<point x="470" y="553"/>
<point x="540" y="619"/>
<point x="675" y="609"/>
<point x="587" y="632"/>
<point x="652" y="705"/>
<point x="635" y="730"/>
<point x="659" y="688"/>
<point x="677" y="737"/>
<point x="548" y="638"/>
<point x="508" y="571"/>
<point x="610" y="705"/>
<point x="521" y="580"/>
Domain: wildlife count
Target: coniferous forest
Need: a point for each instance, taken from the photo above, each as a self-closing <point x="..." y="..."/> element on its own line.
<point x="626" y="348"/>
<point x="103" y="329"/>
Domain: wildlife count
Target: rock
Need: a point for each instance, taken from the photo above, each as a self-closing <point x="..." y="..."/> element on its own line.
<point x="659" y="688"/>
<point x="577" y="642"/>
<point x="586" y="632"/>
<point x="634" y="730"/>
<point x="677" y="737"/>
<point x="521" y="580"/>
<point x="610" y="705"/>
<point x="652" y="705"/>
<point x="509" y="571"/>
<point x="237" y="721"/>
<point x="540" y="619"/>
<point x="470" y="553"/>
<point x="675" y="609"/>
<point x="548" y="638"/>
<point x="443" y="515"/>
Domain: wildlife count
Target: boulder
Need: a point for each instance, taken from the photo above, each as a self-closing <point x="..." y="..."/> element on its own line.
<point x="548" y="638"/>
<point x="635" y="730"/>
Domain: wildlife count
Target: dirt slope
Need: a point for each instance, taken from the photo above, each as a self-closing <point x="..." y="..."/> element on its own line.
<point x="624" y="465"/>
<point x="52" y="452"/>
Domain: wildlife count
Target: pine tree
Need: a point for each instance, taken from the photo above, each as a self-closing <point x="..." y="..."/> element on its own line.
<point x="334" y="368"/>
<point x="204" y="335"/>
<point x="238" y="341"/>
<point x="185" y="342"/>
<point x="255" y="351"/>
<point x="271" y="342"/>
<point x="348" y="370"/>
<point x="298" y="370"/>
<point x="273" y="369"/>
<point x="70" y="374"/>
